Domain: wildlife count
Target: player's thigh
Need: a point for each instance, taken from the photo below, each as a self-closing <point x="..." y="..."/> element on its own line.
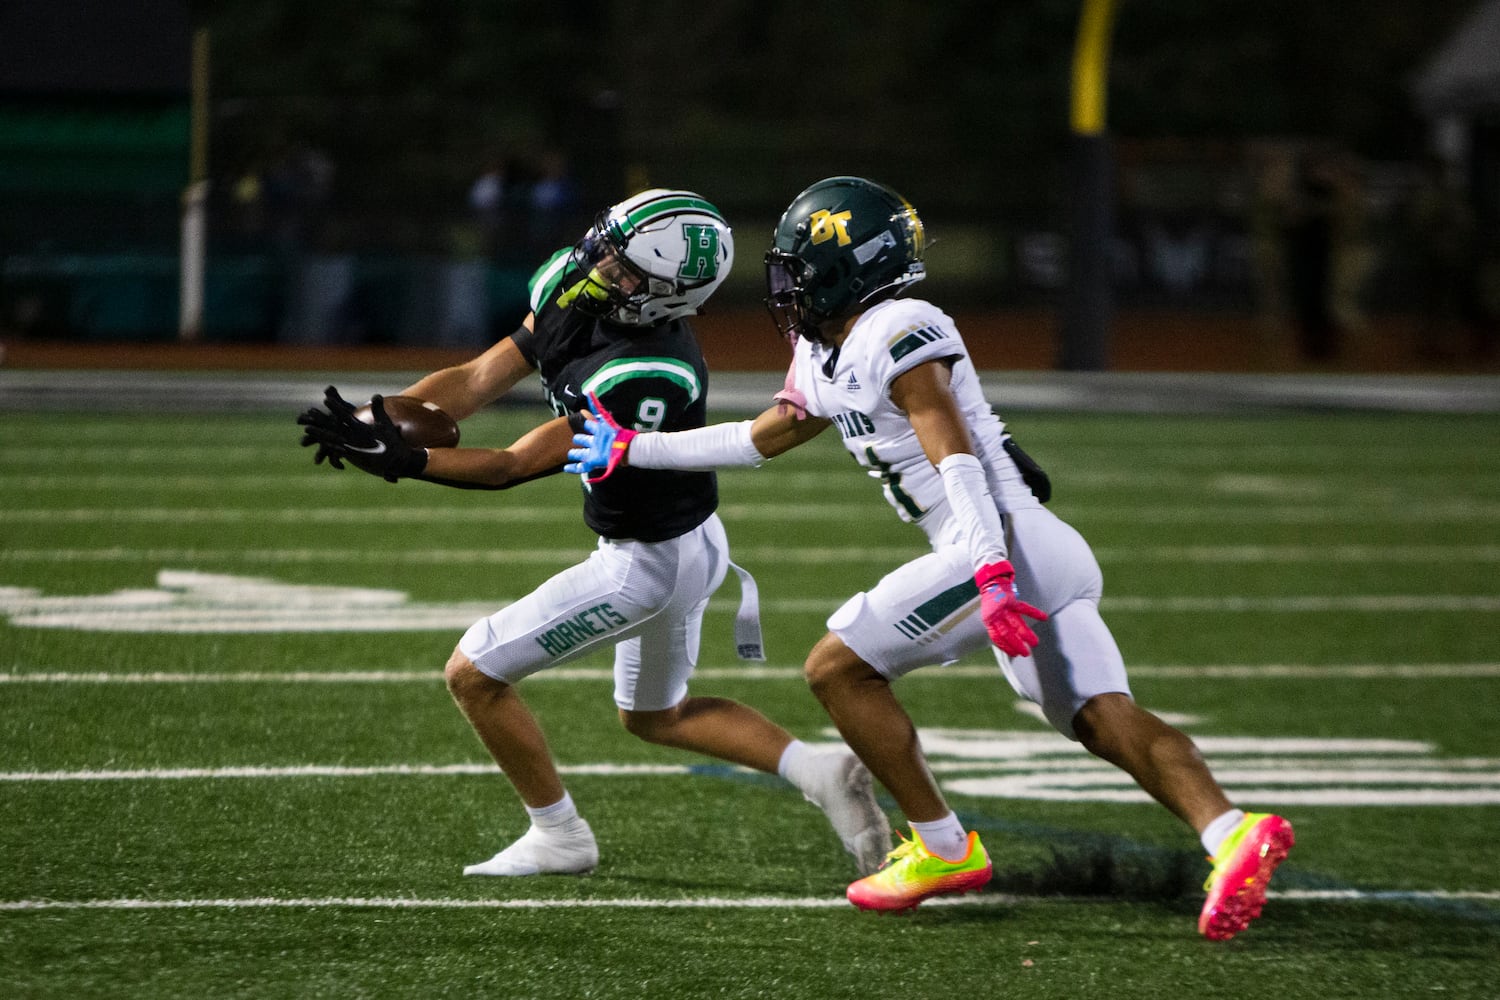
<point x="925" y="611"/>
<point x="1054" y="564"/>
<point x="1076" y="658"/>
<point x="653" y="667"/>
<point x="600" y="601"/>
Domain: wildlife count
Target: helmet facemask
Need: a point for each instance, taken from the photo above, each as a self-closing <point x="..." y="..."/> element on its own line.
<point x="614" y="287"/>
<point x="786" y="299"/>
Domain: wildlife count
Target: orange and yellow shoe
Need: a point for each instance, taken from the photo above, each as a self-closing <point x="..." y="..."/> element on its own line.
<point x="912" y="873"/>
<point x="1242" y="868"/>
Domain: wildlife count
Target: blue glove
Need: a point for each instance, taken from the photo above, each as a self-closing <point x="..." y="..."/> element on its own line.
<point x="601" y="446"/>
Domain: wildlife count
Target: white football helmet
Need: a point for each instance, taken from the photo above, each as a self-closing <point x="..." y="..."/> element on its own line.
<point x="653" y="257"/>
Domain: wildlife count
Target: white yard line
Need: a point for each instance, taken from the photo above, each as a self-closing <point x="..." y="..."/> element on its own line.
<point x="1245" y="671"/>
<point x="703" y="903"/>
<point x="325" y="771"/>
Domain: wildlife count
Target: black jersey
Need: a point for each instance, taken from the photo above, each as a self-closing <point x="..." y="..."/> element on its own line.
<point x="649" y="379"/>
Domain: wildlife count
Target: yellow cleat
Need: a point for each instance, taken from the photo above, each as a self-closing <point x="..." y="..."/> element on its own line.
<point x="912" y="873"/>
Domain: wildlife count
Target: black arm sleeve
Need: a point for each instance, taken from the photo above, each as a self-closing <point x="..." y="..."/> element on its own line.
<point x="526" y="344"/>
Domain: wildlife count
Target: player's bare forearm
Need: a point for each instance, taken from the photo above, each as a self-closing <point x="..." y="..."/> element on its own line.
<point x="462" y="389"/>
<point x="778" y="430"/>
<point x="539" y="451"/>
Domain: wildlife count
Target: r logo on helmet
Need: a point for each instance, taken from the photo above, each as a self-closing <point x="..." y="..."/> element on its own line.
<point x="702" y="260"/>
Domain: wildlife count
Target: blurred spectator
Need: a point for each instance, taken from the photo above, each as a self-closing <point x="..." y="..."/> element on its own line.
<point x="1444" y="244"/>
<point x="1269" y="214"/>
<point x="490" y="190"/>
<point x="297" y="186"/>
<point x="555" y="201"/>
<point x="1309" y="244"/>
<point x="1353" y="253"/>
<point x="1177" y="246"/>
<point x="295" y="189"/>
<point x="248" y="205"/>
<point x="493" y="201"/>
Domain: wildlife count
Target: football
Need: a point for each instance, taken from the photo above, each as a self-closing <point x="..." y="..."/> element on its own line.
<point x="422" y="424"/>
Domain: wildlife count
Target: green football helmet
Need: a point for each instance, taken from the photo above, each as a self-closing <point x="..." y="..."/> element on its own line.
<point x="843" y="244"/>
<point x="653" y="257"/>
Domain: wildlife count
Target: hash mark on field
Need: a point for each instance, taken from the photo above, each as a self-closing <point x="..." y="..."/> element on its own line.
<point x="1010" y="764"/>
<point x="196" y="602"/>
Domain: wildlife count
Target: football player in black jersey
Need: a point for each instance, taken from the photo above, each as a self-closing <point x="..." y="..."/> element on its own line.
<point x="608" y="322"/>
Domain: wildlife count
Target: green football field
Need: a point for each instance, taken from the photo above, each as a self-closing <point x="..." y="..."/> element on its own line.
<point x="229" y="767"/>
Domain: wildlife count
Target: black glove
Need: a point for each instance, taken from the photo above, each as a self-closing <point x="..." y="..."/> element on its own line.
<point x="324" y="428"/>
<point x="377" y="448"/>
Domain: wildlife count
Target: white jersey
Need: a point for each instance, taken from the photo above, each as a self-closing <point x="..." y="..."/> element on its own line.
<point x="851" y="386"/>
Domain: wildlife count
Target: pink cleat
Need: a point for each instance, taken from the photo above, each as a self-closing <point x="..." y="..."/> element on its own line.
<point x="1242" y="868"/>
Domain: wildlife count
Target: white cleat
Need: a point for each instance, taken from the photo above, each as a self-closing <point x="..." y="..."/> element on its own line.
<point x="571" y="851"/>
<point x="839" y="784"/>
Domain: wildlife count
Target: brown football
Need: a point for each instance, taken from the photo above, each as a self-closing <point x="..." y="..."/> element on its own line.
<point x="422" y="424"/>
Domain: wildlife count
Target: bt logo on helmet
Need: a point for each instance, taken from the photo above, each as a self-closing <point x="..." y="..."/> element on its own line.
<point x="826" y="225"/>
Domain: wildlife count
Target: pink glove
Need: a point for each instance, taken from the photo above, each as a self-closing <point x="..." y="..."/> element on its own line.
<point x="1002" y="610"/>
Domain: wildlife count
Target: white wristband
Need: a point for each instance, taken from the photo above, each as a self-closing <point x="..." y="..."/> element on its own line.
<point x="974" y="510"/>
<point x="696" y="450"/>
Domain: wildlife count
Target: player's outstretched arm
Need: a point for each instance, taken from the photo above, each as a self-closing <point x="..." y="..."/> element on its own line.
<point x="539" y="452"/>
<point x="464" y="389"/>
<point x="779" y="430"/>
<point x="604" y="446"/>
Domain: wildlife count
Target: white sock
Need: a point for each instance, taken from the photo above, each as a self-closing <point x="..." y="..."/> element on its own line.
<point x="791" y="758"/>
<point x="944" y="837"/>
<point x="1214" y="833"/>
<point x="559" y="814"/>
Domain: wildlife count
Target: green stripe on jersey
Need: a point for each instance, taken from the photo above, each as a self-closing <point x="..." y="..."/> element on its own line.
<point x="615" y="372"/>
<point x="914" y="340"/>
<point x="944" y="604"/>
<point x="545" y="280"/>
<point x="926" y="616"/>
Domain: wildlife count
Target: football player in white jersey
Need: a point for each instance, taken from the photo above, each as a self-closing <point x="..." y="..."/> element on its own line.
<point x="893" y="376"/>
